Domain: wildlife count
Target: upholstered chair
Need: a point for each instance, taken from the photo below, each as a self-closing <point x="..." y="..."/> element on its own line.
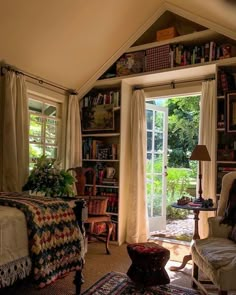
<point x="215" y="255"/>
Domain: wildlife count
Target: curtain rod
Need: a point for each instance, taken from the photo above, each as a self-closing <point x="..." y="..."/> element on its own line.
<point x="173" y="83"/>
<point x="40" y="80"/>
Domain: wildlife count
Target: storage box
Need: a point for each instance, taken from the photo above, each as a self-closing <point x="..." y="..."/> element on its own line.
<point x="158" y="58"/>
<point x="131" y="63"/>
<point x="166" y="34"/>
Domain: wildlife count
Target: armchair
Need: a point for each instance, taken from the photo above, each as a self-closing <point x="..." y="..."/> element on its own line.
<point x="216" y="254"/>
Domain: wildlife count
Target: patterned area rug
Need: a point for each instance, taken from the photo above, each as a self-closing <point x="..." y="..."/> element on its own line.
<point x="115" y="283"/>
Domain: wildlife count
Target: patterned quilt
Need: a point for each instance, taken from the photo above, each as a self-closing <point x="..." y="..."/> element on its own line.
<point x="53" y="234"/>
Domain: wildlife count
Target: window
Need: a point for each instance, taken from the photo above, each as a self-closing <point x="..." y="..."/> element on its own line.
<point x="44" y="128"/>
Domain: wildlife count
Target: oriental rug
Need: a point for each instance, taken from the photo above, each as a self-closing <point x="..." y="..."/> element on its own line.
<point x="115" y="283"/>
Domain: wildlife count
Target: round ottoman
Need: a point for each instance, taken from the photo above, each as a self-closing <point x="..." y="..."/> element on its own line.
<point x="148" y="264"/>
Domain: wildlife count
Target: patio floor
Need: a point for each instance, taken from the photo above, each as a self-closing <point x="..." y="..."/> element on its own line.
<point x="181" y="229"/>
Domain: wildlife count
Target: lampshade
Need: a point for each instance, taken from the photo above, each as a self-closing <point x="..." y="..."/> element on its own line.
<point x="200" y="153"/>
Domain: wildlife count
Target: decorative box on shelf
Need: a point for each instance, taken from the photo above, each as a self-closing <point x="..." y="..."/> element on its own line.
<point x="166" y="34"/>
<point x="131" y="63"/>
<point x="158" y="58"/>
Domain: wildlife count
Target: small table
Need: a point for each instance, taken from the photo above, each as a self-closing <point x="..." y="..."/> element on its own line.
<point x="196" y="211"/>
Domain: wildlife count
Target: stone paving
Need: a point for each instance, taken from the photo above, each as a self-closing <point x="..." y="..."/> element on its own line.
<point x="181" y="229"/>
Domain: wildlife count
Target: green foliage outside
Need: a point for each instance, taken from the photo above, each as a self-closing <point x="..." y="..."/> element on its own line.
<point x="178" y="180"/>
<point x="183" y="121"/>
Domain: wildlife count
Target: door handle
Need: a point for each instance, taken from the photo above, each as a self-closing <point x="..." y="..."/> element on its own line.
<point x="165" y="173"/>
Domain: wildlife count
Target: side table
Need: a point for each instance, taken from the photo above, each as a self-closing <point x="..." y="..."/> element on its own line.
<point x="196" y="211"/>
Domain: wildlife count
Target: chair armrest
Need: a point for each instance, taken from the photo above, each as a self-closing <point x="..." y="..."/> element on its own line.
<point x="218" y="230"/>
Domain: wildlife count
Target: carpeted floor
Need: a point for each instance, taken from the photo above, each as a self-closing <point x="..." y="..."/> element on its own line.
<point x="97" y="265"/>
<point x="116" y="283"/>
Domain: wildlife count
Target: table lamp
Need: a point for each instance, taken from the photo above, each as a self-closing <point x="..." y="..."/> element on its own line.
<point x="200" y="153"/>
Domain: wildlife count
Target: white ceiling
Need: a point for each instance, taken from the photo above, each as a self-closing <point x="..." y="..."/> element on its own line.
<point x="68" y="42"/>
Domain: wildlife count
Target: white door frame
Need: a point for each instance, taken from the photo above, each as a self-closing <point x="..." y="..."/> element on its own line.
<point x="158" y="222"/>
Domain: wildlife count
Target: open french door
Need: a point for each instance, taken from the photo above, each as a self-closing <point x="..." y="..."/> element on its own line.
<point x="156" y="170"/>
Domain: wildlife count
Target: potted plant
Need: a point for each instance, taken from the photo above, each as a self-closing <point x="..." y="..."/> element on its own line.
<point x="48" y="178"/>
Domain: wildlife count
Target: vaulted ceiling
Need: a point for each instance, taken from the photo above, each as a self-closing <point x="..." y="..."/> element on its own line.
<point x="70" y="42"/>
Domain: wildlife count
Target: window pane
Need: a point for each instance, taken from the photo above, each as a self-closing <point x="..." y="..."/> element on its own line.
<point x="159" y="120"/>
<point x="158" y="142"/>
<point x="157" y="192"/>
<point x="34" y="139"/>
<point x="51" y="152"/>
<point x="44" y="128"/>
<point x="52" y="121"/>
<point x="50" y="141"/>
<point x="36" y="150"/>
<point x="149" y="118"/>
<point x="51" y="131"/>
<point x="157" y="184"/>
<point x="149" y="156"/>
<point x="35" y="125"/>
<point x="50" y="110"/>
<point x="35" y="106"/>
<point x="149" y="141"/>
<point x="158" y="163"/>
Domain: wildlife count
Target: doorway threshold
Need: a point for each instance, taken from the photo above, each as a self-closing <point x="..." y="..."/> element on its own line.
<point x="168" y="240"/>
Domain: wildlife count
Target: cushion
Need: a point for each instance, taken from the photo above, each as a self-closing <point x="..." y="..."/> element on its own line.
<point x="218" y="252"/>
<point x="99" y="228"/>
<point x="232" y="235"/>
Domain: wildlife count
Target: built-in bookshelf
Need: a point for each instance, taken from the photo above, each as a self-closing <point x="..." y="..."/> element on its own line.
<point x="226" y="139"/>
<point x="188" y="56"/>
<point x="100" y="113"/>
<point x="191" y="49"/>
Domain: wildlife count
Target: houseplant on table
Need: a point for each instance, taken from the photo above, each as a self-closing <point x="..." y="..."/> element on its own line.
<point x="48" y="178"/>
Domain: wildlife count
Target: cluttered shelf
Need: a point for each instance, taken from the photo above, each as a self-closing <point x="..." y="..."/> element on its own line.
<point x="187" y="50"/>
<point x="200" y="36"/>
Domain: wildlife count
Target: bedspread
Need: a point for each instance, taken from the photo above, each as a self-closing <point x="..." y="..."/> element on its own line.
<point x="14" y="254"/>
<point x="54" y="238"/>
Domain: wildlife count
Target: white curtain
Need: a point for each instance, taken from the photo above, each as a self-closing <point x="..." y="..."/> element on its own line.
<point x="207" y="136"/>
<point x="73" y="134"/>
<point x="14" y="125"/>
<point x="137" y="220"/>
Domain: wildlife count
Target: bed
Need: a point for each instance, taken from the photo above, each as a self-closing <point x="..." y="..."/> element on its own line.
<point x="40" y="237"/>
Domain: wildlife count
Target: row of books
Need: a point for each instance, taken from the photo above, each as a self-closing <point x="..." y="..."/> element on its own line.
<point x="225" y="82"/>
<point x="112" y="204"/>
<point x="168" y="56"/>
<point x="226" y="169"/>
<point x="110" y="181"/>
<point x="98" y="98"/>
<point x="97" y="149"/>
<point x="181" y="55"/>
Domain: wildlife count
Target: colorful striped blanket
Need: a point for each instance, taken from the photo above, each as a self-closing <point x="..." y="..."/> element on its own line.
<point x="54" y="237"/>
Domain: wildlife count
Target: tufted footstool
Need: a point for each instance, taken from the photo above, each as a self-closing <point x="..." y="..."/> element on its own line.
<point x="148" y="264"/>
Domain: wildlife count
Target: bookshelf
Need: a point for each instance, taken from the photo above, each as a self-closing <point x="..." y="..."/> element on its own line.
<point x="125" y="83"/>
<point x="101" y="145"/>
<point x="196" y="48"/>
<point x="226" y="141"/>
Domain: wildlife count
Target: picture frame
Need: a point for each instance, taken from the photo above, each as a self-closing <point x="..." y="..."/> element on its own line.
<point x="98" y="117"/>
<point x="230" y="111"/>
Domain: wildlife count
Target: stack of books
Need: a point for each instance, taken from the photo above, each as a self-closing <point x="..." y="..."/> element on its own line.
<point x="110" y="181"/>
